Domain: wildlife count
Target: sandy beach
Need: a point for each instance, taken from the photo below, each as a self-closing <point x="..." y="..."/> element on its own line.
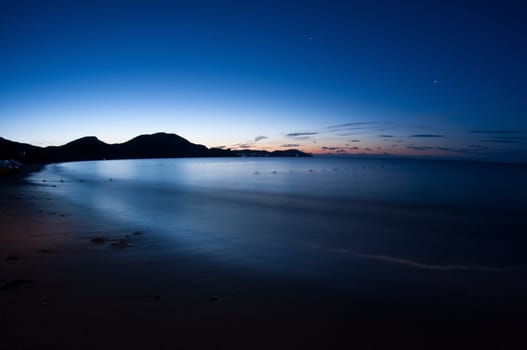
<point x="70" y="279"/>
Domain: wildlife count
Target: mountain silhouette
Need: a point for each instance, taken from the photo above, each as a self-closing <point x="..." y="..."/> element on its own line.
<point x="86" y="148"/>
<point x="19" y="151"/>
<point x="159" y="145"/>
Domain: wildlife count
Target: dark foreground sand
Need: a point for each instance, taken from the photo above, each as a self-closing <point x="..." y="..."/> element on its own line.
<point x="60" y="290"/>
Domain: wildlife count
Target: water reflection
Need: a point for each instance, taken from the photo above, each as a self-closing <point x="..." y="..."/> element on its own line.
<point x="294" y="215"/>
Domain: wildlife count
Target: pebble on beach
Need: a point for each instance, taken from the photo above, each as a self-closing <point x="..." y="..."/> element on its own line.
<point x="122" y="243"/>
<point x="15" y="284"/>
<point x="12" y="258"/>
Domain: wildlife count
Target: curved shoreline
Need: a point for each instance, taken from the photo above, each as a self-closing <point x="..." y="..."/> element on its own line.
<point x="63" y="291"/>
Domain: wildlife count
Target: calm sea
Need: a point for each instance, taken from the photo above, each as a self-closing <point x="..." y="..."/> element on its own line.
<point x="335" y="220"/>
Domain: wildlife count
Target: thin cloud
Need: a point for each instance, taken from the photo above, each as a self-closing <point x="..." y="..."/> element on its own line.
<point x="345" y="134"/>
<point x="243" y="145"/>
<point x="301" y="134"/>
<point x="421" y="148"/>
<point x="354" y="140"/>
<point x="497" y="131"/>
<point x="358" y="126"/>
<point x="353" y="125"/>
<point x="474" y="150"/>
<point x="290" y="145"/>
<point x="386" y="136"/>
<point x="427" y="135"/>
<point x="429" y="148"/>
<point x="345" y="129"/>
<point x="515" y="138"/>
<point x="500" y="141"/>
<point x="259" y="138"/>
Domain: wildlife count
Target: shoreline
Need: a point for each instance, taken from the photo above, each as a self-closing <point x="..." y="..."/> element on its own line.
<point x="73" y="293"/>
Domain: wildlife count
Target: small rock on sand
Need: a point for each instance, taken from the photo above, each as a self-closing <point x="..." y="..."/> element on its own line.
<point x="12" y="258"/>
<point x="15" y="284"/>
<point x="122" y="243"/>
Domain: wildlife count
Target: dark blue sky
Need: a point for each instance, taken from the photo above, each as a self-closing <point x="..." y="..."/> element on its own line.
<point x="440" y="78"/>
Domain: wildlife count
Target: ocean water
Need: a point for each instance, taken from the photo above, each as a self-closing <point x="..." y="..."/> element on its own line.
<point x="337" y="221"/>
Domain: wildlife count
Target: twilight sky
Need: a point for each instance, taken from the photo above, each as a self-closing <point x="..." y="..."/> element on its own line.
<point x="439" y="78"/>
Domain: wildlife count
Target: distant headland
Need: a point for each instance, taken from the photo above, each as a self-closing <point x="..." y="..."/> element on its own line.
<point x="159" y="145"/>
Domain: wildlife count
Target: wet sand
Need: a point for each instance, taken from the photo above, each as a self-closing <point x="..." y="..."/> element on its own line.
<point x="62" y="289"/>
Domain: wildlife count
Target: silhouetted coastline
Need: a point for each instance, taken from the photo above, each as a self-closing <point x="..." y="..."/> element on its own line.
<point x="159" y="145"/>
